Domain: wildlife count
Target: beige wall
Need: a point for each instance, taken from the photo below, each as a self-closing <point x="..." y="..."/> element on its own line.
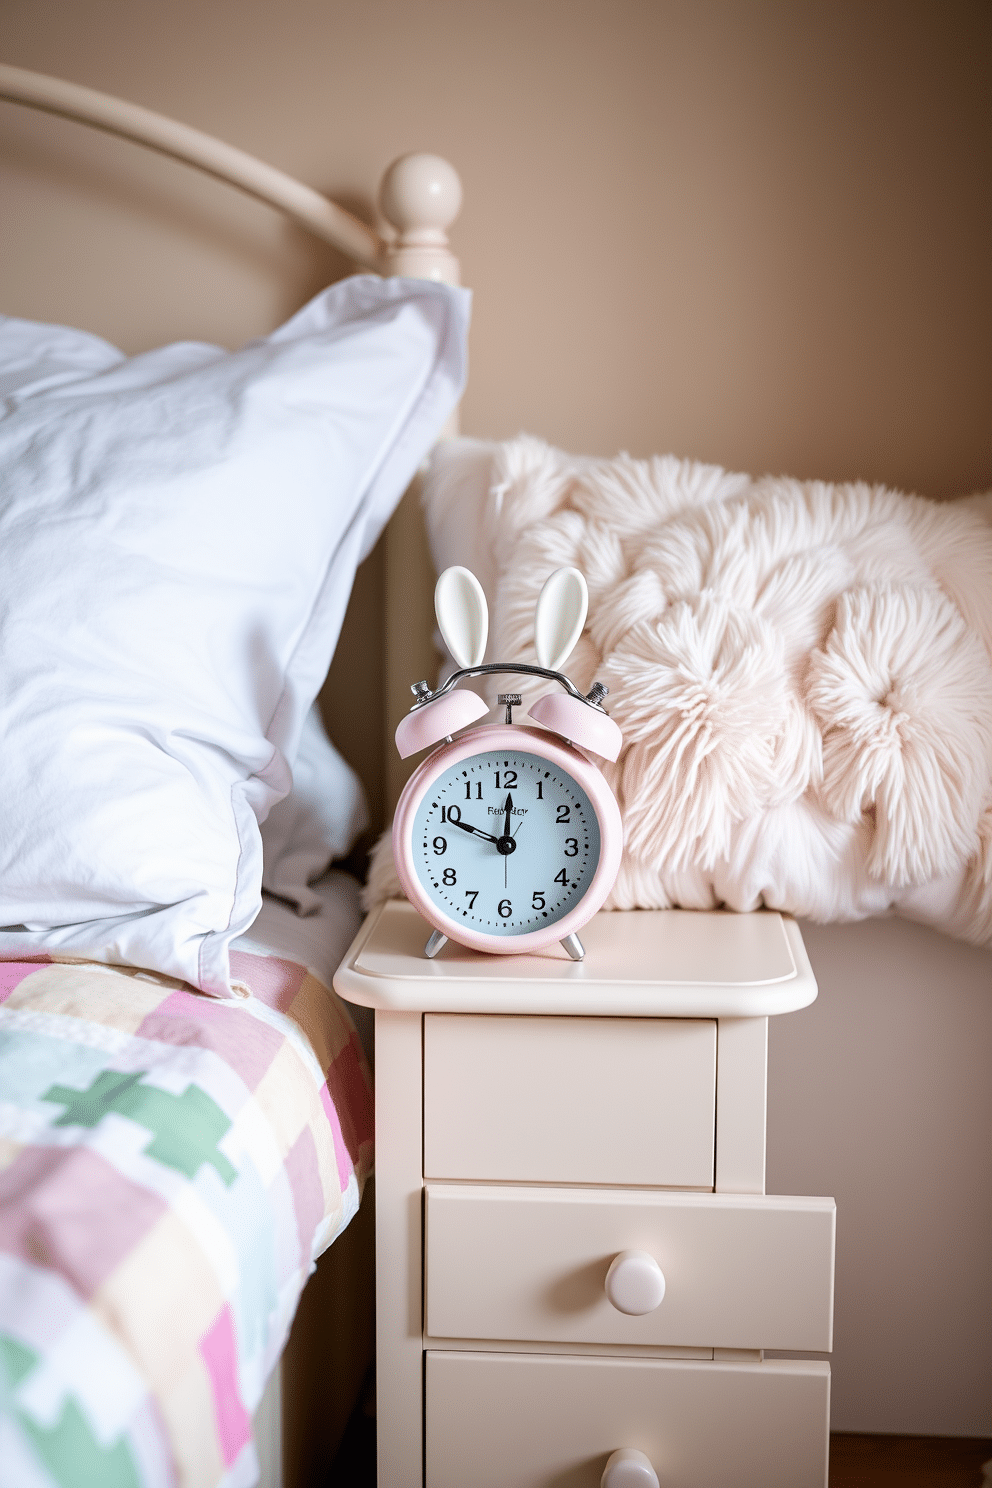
<point x="753" y="233"/>
<point x="879" y="1095"/>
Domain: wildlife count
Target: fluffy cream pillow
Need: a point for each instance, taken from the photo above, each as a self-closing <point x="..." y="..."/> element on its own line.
<point x="802" y="672"/>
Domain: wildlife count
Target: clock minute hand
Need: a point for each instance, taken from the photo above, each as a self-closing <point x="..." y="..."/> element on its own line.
<point x="476" y="831"/>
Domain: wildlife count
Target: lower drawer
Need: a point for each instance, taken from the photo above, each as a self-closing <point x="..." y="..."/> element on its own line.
<point x="528" y="1421"/>
<point x="740" y="1270"/>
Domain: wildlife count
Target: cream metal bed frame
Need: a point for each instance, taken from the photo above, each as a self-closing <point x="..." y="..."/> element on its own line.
<point x="306" y="1406"/>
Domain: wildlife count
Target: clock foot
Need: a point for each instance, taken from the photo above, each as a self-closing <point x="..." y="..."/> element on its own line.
<point x="435" y="943"/>
<point x="574" y="947"/>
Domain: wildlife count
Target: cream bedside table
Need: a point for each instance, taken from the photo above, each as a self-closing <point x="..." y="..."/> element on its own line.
<point x="577" y="1267"/>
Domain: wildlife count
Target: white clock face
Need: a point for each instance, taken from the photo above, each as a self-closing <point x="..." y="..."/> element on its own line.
<point x="505" y="842"/>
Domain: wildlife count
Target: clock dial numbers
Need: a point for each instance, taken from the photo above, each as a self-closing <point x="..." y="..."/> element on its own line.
<point x="524" y="848"/>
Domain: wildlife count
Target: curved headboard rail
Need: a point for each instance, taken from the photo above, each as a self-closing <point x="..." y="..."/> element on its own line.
<point x="102" y="111"/>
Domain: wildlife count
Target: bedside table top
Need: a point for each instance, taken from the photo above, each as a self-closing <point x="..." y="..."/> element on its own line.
<point x="639" y="963"/>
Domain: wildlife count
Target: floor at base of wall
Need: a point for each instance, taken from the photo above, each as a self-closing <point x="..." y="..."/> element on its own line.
<point x="855" y="1461"/>
<point x="907" y="1461"/>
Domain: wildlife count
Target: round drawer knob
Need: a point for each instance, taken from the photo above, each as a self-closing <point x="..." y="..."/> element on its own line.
<point x="629" y="1468"/>
<point x="635" y="1283"/>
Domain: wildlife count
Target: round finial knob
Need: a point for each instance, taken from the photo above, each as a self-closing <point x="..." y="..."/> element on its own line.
<point x="629" y="1468"/>
<point x="635" y="1283"/>
<point x="421" y="194"/>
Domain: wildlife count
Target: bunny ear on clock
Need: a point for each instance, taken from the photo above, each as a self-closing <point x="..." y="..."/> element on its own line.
<point x="559" y="617"/>
<point x="462" y="615"/>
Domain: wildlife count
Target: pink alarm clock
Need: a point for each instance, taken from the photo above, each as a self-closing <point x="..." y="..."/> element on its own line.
<point x="508" y="838"/>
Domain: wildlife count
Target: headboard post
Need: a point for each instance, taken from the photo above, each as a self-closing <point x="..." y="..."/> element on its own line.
<point x="420" y="196"/>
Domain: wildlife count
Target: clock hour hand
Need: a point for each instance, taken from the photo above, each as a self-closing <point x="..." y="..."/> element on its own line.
<point x="508" y="808"/>
<point x="476" y="831"/>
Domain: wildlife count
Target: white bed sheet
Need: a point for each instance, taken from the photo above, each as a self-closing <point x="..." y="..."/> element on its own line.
<point x="317" y="941"/>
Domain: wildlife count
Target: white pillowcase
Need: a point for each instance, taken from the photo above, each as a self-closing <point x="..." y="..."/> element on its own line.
<point x="318" y="822"/>
<point x="178" y="536"/>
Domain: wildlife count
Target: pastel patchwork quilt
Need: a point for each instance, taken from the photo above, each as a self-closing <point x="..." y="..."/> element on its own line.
<point x="171" y="1165"/>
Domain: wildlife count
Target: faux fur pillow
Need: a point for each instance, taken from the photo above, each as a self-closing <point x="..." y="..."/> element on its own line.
<point x="802" y="673"/>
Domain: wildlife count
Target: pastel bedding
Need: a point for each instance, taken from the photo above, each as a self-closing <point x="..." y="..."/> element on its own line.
<point x="171" y="1165"/>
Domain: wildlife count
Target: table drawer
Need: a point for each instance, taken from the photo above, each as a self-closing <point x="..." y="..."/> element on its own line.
<point x="570" y="1100"/>
<point x="528" y="1421"/>
<point x="740" y="1270"/>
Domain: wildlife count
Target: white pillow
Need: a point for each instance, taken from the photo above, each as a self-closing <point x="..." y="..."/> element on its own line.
<point x="318" y="822"/>
<point x="178" y="535"/>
